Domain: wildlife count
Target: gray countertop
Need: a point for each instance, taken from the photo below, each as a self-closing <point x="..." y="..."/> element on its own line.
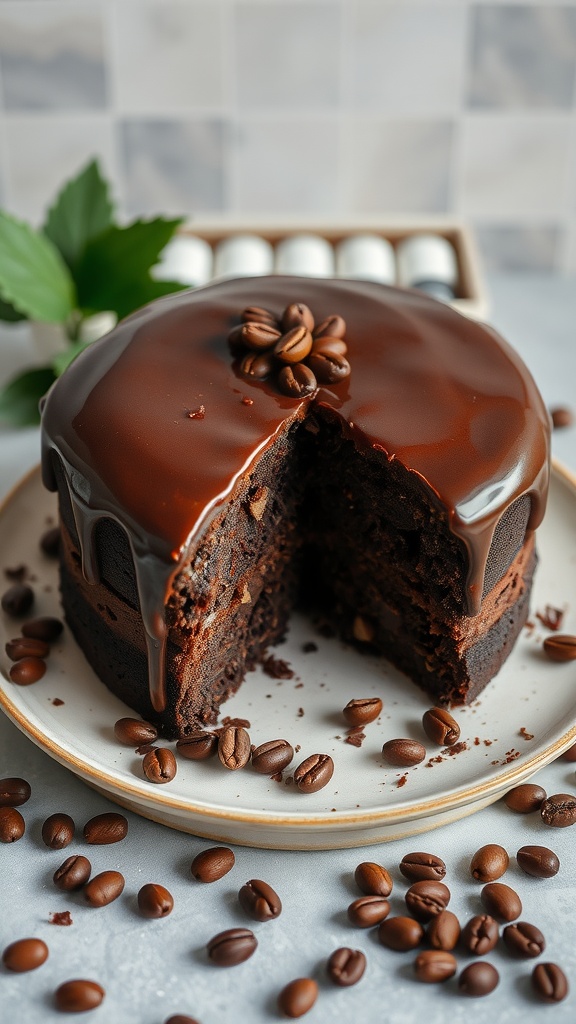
<point x="151" y="969"/>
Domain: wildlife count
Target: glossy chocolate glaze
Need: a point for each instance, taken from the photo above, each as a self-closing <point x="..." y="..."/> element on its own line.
<point x="442" y="394"/>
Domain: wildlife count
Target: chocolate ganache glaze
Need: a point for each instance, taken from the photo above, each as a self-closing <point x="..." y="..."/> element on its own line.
<point x="151" y="430"/>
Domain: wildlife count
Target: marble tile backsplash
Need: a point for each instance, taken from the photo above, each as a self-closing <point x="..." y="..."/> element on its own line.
<point x="305" y="107"/>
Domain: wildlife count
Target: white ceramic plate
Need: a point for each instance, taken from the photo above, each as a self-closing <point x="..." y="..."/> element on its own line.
<point x="523" y="719"/>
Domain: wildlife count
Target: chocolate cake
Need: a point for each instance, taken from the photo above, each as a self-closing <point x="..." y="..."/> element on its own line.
<point x="199" y="503"/>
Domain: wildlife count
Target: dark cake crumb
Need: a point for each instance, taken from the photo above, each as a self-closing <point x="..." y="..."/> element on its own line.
<point x="300" y="713"/>
<point x="17" y="573"/>
<point x="551" y="617"/>
<point x="57" y="702"/>
<point x="196" y="414"/>
<point x="523" y="732"/>
<point x="402" y="781"/>
<point x="62" y="917"/>
<point x="355" y="736"/>
<point x="456" y="748"/>
<point x="310" y="647"/>
<point x="277" y="668"/>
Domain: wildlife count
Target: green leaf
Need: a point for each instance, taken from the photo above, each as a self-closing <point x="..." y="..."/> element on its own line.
<point x="7" y="312"/>
<point x="82" y="211"/>
<point x="62" y="361"/>
<point x="20" y="397"/>
<point x="33" y="275"/>
<point x="114" y="270"/>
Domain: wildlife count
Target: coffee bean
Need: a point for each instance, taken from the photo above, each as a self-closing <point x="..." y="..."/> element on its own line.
<point x="561" y="417"/>
<point x="257" y="365"/>
<point x="526" y="798"/>
<point x="297" y="381"/>
<point x="106" y="828"/>
<point x="403" y="753"/>
<point x="45" y="628"/>
<point x="234" y="747"/>
<point x="328" y="367"/>
<point x="17" y="600"/>
<point x="232" y="947"/>
<point x="569" y="755"/>
<point x="441" y="727"/>
<point x="259" y="335"/>
<point x="293" y="346"/>
<point x="180" y="1018"/>
<point x="104" y="888"/>
<point x="25" y="955"/>
<point x="479" y="979"/>
<point x="346" y="966"/>
<point x="159" y="765"/>
<point x="272" y="756"/>
<point x="26" y="647"/>
<point x="524" y="940"/>
<point x="418" y="867"/>
<point x="400" y="933"/>
<point x="426" y="899"/>
<point x="198" y="746"/>
<point x="332" y="327"/>
<point x="259" y="900"/>
<point x="501" y="901"/>
<point x="295" y="314"/>
<point x="368" y="911"/>
<point x="12" y="825"/>
<point x="362" y="710"/>
<point x="258" y="315"/>
<point x="27" y="671"/>
<point x="480" y="934"/>
<point x="298" y="997"/>
<point x="50" y="542"/>
<point x="443" y="931"/>
<point x="489" y="863"/>
<point x="78" y="996"/>
<point x="538" y="861"/>
<point x="155" y="901"/>
<point x="132" y="731"/>
<point x="213" y="863"/>
<point x="549" y="983"/>
<point x="329" y="346"/>
<point x="434" y="965"/>
<point x="559" y="811"/>
<point x="58" y="831"/>
<point x="560" y="647"/>
<point x="73" y="873"/>
<point x="314" y="773"/>
<point x="372" y="879"/>
<point x="14" y="792"/>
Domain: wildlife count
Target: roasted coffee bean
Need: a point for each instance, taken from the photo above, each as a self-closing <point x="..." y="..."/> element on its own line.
<point x="434" y="965"/>
<point x="234" y="747"/>
<point x="559" y="811"/>
<point x="298" y="997"/>
<point x="198" y="746"/>
<point x="213" y="863"/>
<point x="257" y="365"/>
<point x="560" y="647"/>
<point x="372" y="879"/>
<point x="25" y="955"/>
<point x="293" y="346"/>
<point x="332" y="327"/>
<point x="419" y="867"/>
<point x="362" y="710"/>
<point x="501" y="901"/>
<point x="426" y="899"/>
<point x="549" y="983"/>
<point x="297" y="381"/>
<point x="570" y="754"/>
<point x="526" y="798"/>
<point x="489" y="863"/>
<point x="14" y="792"/>
<point x="479" y="979"/>
<point x="155" y="901"/>
<point x="58" y="831"/>
<point x="368" y="911"/>
<point x="50" y="542"/>
<point x="314" y="773"/>
<point x="45" y="628"/>
<point x="480" y="934"/>
<point x="272" y="756"/>
<point x="232" y="947"/>
<point x="258" y="315"/>
<point x="133" y="731"/>
<point x="328" y="367"/>
<point x="104" y="888"/>
<point x="441" y="727"/>
<point x="259" y="900"/>
<point x="27" y="671"/>
<point x="443" y="931"/>
<point x="403" y="753"/>
<point x="106" y="828"/>
<point x="17" y="600"/>
<point x="159" y="765"/>
<point x="259" y="336"/>
<point x="78" y="996"/>
<point x="346" y="966"/>
<point x="12" y="825"/>
<point x="562" y="416"/>
<point x="180" y="1018"/>
<point x="400" y="933"/>
<point x="330" y="346"/>
<point x="73" y="873"/>
<point x="538" y="861"/>
<point x="295" y="314"/>
<point x="524" y="939"/>
<point x="26" y="647"/>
